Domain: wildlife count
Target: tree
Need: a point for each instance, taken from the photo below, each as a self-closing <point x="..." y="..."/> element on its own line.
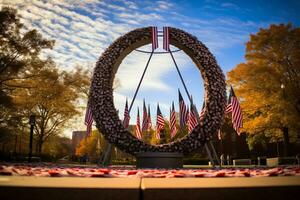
<point x="268" y="83"/>
<point x="19" y="54"/>
<point x="91" y="146"/>
<point x="53" y="96"/>
<point x="58" y="147"/>
<point x="19" y="51"/>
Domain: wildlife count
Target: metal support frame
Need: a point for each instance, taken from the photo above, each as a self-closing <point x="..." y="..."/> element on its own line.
<point x="105" y="158"/>
<point x="207" y="148"/>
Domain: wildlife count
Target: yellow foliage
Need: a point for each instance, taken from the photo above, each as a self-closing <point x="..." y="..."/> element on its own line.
<point x="272" y="62"/>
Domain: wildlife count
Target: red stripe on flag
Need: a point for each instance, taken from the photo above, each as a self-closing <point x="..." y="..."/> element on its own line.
<point x="182" y="112"/>
<point x="173" y="128"/>
<point x="192" y="120"/>
<point x="154" y="38"/>
<point x="236" y="115"/>
<point x="166" y="43"/>
<point x="236" y="111"/>
<point x="160" y="122"/>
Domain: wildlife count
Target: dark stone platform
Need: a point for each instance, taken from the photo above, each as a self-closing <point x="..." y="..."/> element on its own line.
<point x="165" y="160"/>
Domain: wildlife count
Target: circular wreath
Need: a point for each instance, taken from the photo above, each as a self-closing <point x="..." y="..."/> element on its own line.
<point x="105" y="113"/>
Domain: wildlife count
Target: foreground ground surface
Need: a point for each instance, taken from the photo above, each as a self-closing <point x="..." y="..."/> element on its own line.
<point x="51" y="170"/>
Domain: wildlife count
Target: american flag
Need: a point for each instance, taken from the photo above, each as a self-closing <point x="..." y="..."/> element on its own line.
<point x="236" y="111"/>
<point x="145" y="118"/>
<point x="166" y="43"/>
<point x="192" y="121"/>
<point x="154" y="38"/>
<point x="173" y="128"/>
<point x="88" y="120"/>
<point x="149" y="118"/>
<point x="182" y="112"/>
<point x="138" y="131"/>
<point x="160" y="122"/>
<point x="126" y="116"/>
<point x="202" y="111"/>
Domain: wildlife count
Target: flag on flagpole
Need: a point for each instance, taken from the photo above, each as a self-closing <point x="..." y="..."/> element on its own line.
<point x="154" y="38"/>
<point x="228" y="108"/>
<point x="138" y="131"/>
<point x="160" y="122"/>
<point x="236" y="111"/>
<point x="126" y="116"/>
<point x="202" y="111"/>
<point x="149" y="118"/>
<point x="166" y="43"/>
<point x="145" y="118"/>
<point x="173" y="129"/>
<point x="192" y="122"/>
<point x="187" y="115"/>
<point x="182" y="112"/>
<point x="88" y="120"/>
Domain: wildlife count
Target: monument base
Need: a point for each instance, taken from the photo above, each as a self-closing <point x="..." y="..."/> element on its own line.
<point x="159" y="160"/>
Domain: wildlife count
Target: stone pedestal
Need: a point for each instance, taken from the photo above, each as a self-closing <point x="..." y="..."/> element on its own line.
<point x="159" y="160"/>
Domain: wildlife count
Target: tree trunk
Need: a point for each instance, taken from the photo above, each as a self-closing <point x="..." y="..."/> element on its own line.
<point x="16" y="143"/>
<point x="286" y="140"/>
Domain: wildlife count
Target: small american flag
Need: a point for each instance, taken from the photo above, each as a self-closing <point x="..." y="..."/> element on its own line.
<point x="126" y="116"/>
<point x="202" y="111"/>
<point x="166" y="43"/>
<point x="149" y="118"/>
<point x="145" y="118"/>
<point x="236" y="112"/>
<point x="182" y="112"/>
<point x="88" y="120"/>
<point x="160" y="122"/>
<point x="154" y="38"/>
<point x="173" y="128"/>
<point x="192" y="122"/>
<point x="138" y="131"/>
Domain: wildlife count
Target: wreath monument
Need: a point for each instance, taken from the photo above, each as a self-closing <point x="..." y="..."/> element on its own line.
<point x="105" y="113"/>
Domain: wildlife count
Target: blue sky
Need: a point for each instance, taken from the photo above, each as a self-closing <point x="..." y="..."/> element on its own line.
<point x="84" y="29"/>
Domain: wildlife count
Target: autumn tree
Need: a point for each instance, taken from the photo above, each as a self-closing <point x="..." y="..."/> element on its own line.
<point x="53" y="96"/>
<point x="92" y="146"/>
<point x="19" y="51"/>
<point x="268" y="83"/>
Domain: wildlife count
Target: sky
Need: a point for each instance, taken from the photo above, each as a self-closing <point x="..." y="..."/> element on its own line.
<point x="84" y="29"/>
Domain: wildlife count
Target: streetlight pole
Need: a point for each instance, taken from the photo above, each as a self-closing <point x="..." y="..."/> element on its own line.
<point x="32" y="123"/>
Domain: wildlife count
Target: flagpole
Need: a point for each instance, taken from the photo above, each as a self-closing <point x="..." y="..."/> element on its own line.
<point x="185" y="88"/>
<point x="136" y="91"/>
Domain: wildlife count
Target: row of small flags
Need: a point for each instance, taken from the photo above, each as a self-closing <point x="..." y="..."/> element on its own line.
<point x="187" y="117"/>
